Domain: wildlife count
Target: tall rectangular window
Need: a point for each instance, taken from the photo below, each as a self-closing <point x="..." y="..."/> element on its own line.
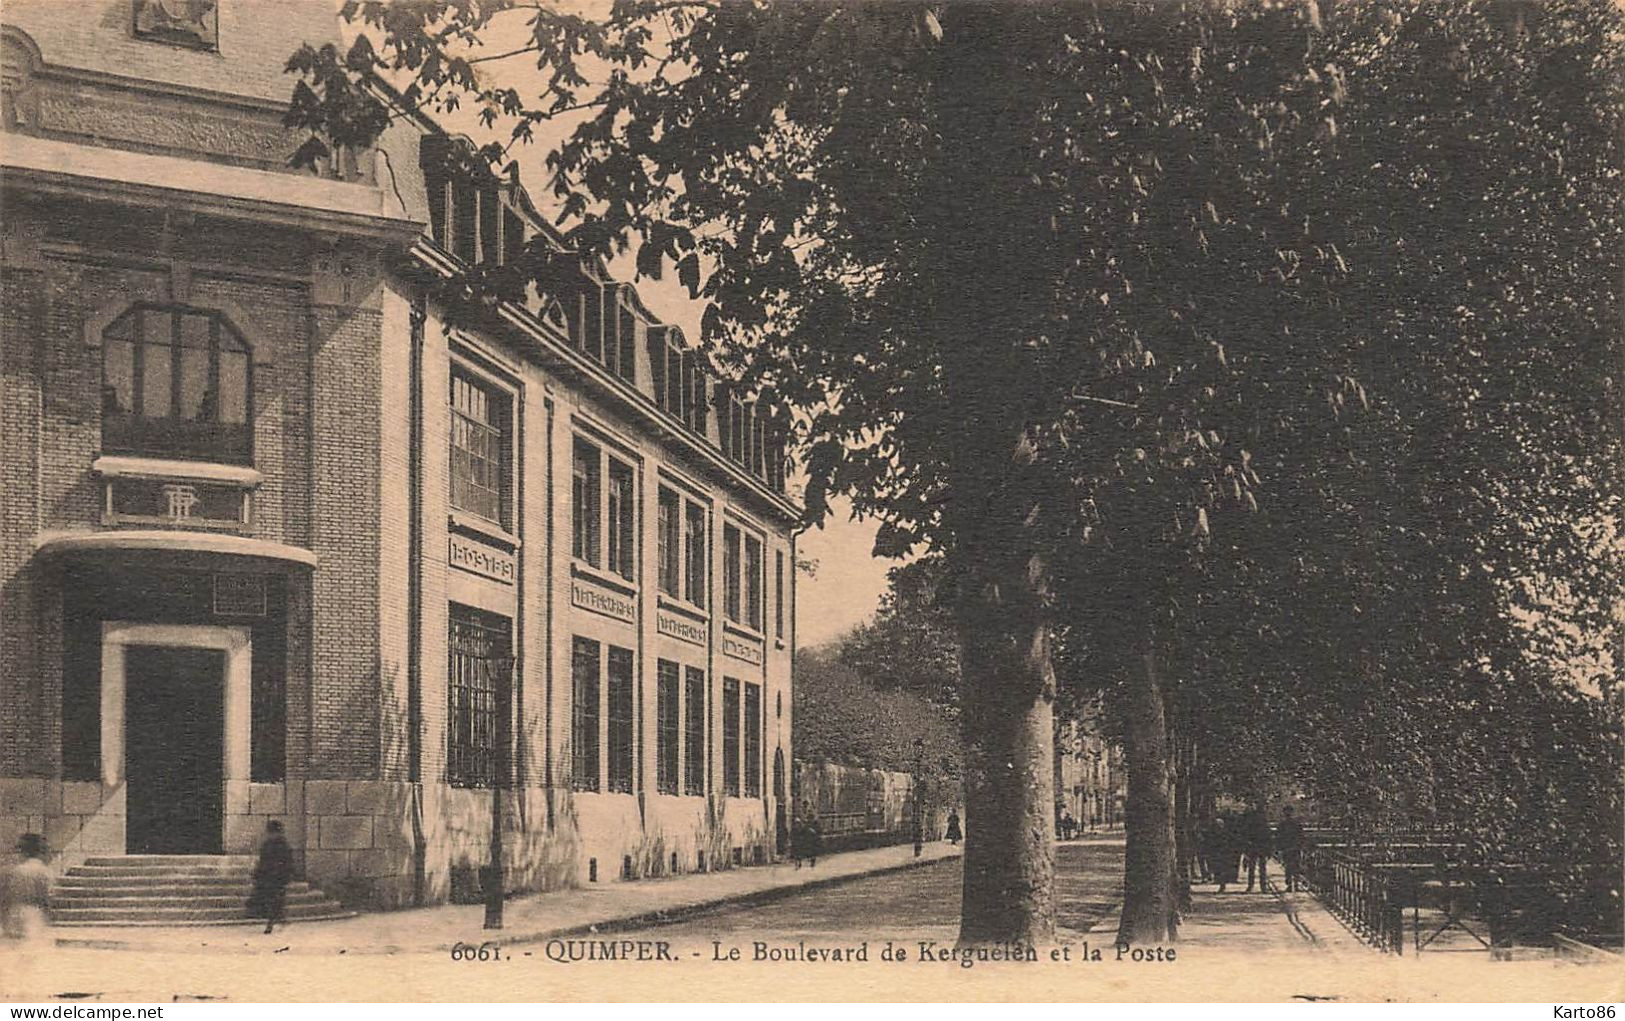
<point x="730" y="737"/>
<point x="668" y="690"/>
<point x="730" y="572"/>
<point x="668" y="541"/>
<point x="753" y="582"/>
<point x="753" y="740"/>
<point x="694" y="710"/>
<point x="695" y="553"/>
<point x="584" y="503"/>
<point x="479" y="675"/>
<point x="584" y="715"/>
<point x="479" y="424"/>
<point x="623" y="543"/>
<point x="778" y="593"/>
<point x="621" y="746"/>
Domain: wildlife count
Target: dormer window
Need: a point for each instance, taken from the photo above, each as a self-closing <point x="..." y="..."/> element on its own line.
<point x="177" y="382"/>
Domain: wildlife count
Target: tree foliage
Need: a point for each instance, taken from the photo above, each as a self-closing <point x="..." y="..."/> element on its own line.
<point x="1260" y="356"/>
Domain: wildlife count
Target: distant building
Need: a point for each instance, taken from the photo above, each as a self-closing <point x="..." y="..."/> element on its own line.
<point x="288" y="532"/>
<point x="1091" y="781"/>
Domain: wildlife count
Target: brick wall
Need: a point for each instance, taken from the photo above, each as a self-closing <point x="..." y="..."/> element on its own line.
<point x="345" y="536"/>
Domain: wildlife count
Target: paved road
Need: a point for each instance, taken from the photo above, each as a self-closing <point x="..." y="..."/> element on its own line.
<point x="916" y="904"/>
<point x="921" y="903"/>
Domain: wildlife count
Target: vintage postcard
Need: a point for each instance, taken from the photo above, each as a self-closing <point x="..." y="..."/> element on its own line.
<point x="764" y="500"/>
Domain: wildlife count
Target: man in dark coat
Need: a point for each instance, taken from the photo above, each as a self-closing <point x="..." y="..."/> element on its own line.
<point x="272" y="873"/>
<point x="1255" y="834"/>
<point x="1289" y="843"/>
<point x="954" y="834"/>
<point x="1224" y="842"/>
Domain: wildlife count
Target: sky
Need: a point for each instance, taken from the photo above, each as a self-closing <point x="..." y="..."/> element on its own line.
<point x="846" y="587"/>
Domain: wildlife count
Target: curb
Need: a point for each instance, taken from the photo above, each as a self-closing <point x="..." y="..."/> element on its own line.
<point x="621" y="923"/>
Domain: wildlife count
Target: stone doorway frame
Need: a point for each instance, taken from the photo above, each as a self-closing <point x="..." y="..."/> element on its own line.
<point x="234" y="641"/>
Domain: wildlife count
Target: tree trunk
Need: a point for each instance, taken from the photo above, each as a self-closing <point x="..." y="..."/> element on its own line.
<point x="1150" y="908"/>
<point x="1008" y="724"/>
<point x="1184" y="820"/>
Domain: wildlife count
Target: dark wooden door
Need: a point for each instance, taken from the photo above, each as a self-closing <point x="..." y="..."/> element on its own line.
<point x="174" y="723"/>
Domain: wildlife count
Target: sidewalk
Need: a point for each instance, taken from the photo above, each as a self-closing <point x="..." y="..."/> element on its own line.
<point x="600" y="908"/>
<point x="1252" y="923"/>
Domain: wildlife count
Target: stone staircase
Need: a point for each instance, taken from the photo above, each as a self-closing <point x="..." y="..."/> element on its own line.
<point x="173" y="889"/>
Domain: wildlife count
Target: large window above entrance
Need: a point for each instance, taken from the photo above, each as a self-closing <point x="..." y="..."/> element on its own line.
<point x="176" y="383"/>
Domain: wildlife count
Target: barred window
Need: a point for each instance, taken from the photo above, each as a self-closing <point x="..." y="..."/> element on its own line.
<point x="481" y="670"/>
<point x="621" y="745"/>
<point x="584" y="715"/>
<point x="730" y="737"/>
<point x="694" y="715"/>
<point x="667" y="692"/>
<point x="668" y="545"/>
<point x="479" y="428"/>
<point x="753" y="740"/>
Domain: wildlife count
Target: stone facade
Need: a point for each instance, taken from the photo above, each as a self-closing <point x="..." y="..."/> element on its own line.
<point x="404" y="583"/>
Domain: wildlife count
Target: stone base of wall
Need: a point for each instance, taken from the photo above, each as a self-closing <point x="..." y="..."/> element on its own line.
<point x="360" y="841"/>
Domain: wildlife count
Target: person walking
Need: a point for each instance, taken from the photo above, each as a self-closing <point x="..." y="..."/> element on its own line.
<point x="1255" y="833"/>
<point x="1225" y="851"/>
<point x="1289" y="843"/>
<point x="806" y="840"/>
<point x="272" y="873"/>
<point x="25" y="891"/>
<point x="954" y="834"/>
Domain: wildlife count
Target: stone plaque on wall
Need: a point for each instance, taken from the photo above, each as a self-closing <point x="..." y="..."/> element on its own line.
<point x="682" y="629"/>
<point x="747" y="652"/>
<point x="478" y="558"/>
<point x="611" y="604"/>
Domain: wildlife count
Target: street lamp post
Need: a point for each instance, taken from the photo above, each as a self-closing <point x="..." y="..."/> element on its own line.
<point x="919" y="821"/>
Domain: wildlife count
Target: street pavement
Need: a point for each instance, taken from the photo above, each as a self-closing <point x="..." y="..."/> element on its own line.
<point x="705" y="937"/>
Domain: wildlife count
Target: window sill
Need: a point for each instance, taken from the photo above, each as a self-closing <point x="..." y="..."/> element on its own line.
<point x="608" y="579"/>
<point x="164" y="468"/>
<point x="743" y="631"/>
<point x="472" y="524"/>
<point x="684" y="608"/>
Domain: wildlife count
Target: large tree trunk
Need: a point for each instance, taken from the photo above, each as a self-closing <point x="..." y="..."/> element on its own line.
<point x="1150" y="907"/>
<point x="1008" y="723"/>
<point x="1184" y="819"/>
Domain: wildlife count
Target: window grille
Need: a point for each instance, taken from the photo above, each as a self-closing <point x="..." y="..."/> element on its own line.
<point x="695" y="710"/>
<point x="584" y="715"/>
<point x="753" y="740"/>
<point x="621" y="745"/>
<point x="481" y="671"/>
<point x="730" y="737"/>
<point x="667" y="692"/>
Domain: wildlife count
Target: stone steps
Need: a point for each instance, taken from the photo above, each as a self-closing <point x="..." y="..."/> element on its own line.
<point x="163" y="889"/>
